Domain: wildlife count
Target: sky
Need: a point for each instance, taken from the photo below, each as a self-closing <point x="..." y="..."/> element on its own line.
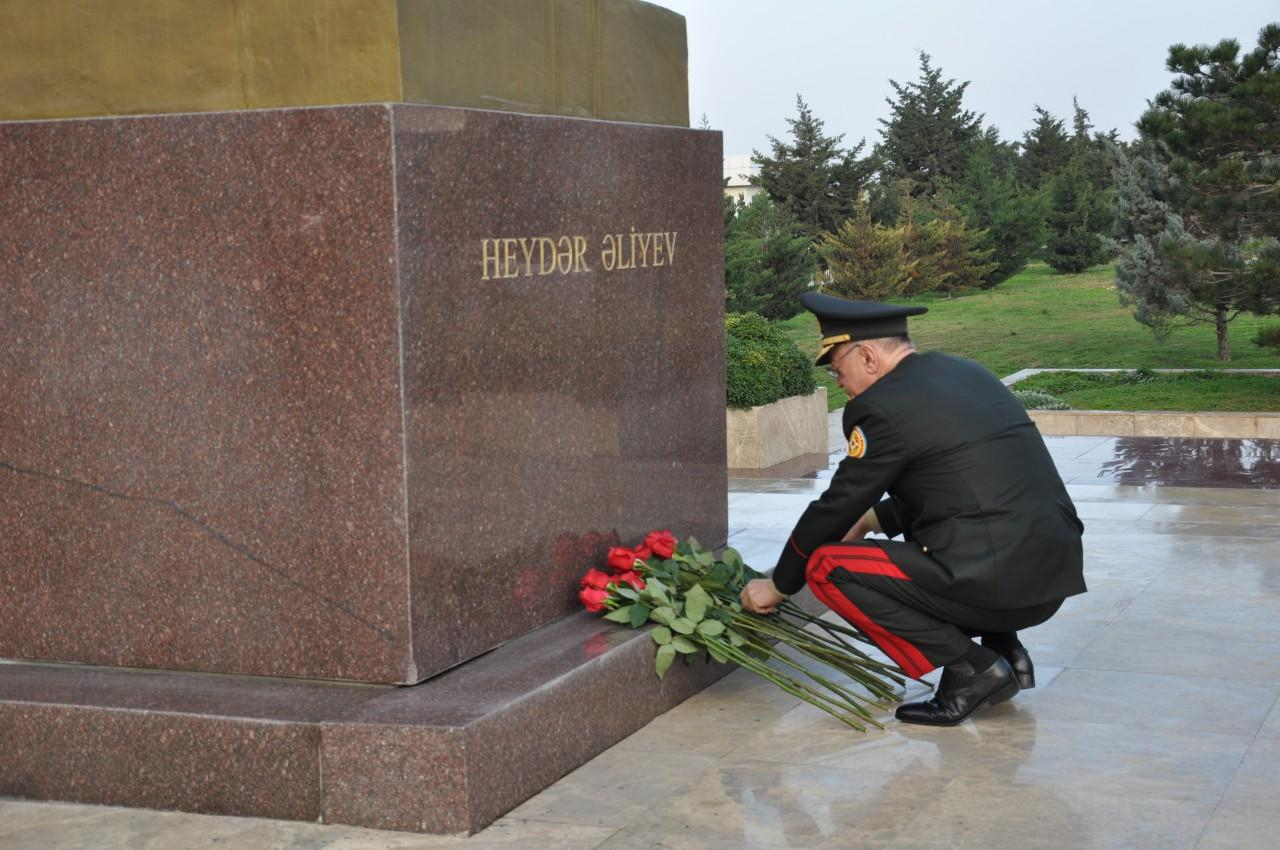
<point x="748" y="59"/>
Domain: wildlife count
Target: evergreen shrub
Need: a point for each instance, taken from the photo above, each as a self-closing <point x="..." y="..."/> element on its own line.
<point x="1268" y="336"/>
<point x="762" y="363"/>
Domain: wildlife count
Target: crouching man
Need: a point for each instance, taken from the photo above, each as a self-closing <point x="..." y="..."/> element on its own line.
<point x="992" y="540"/>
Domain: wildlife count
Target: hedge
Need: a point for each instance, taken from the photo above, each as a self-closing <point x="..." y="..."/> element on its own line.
<point x="762" y="362"/>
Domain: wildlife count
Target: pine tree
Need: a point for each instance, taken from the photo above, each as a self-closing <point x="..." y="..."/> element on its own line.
<point x="1080" y="124"/>
<point x="1145" y="222"/>
<point x="769" y="261"/>
<point x="943" y="254"/>
<point x="1077" y="216"/>
<point x="1045" y="150"/>
<point x="1003" y="155"/>
<point x="1073" y="174"/>
<point x="1094" y="152"/>
<point x="1011" y="219"/>
<point x="811" y="175"/>
<point x="865" y="260"/>
<point x="1200" y="200"/>
<point x="929" y="136"/>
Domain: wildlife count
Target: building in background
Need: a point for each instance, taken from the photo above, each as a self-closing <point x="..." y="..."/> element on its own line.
<point x="738" y="171"/>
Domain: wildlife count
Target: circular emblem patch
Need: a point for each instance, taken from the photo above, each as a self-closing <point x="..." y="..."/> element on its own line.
<point x="857" y="443"/>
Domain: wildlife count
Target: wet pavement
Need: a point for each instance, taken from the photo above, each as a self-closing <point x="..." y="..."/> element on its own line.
<point x="1155" y="722"/>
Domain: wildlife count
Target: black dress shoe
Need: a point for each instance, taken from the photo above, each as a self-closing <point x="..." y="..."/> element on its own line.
<point x="1020" y="661"/>
<point x="960" y="693"/>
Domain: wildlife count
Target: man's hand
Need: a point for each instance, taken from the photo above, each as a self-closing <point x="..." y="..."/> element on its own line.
<point x="760" y="596"/>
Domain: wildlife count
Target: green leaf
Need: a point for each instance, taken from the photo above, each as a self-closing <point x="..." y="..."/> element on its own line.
<point x="639" y="615"/>
<point x="666" y="654"/>
<point x="735" y="638"/>
<point x="731" y="557"/>
<point x="684" y="645"/>
<point x="664" y="615"/>
<point x="657" y="591"/>
<point x="714" y="650"/>
<point x="627" y="593"/>
<point x="706" y="559"/>
<point x="710" y="628"/>
<point x="693" y="544"/>
<point x="661" y="635"/>
<point x="682" y="625"/>
<point x="620" y="615"/>
<point x="696" y="603"/>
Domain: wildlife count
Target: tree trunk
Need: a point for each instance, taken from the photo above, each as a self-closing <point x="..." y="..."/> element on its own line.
<point x="1224" y="344"/>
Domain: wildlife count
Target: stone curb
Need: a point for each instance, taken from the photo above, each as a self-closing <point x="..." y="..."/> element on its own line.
<point x="1159" y="423"/>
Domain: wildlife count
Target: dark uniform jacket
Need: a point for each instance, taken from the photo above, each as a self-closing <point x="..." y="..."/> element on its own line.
<point x="970" y="485"/>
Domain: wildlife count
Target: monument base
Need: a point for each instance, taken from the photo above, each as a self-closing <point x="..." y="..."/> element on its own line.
<point x="447" y="756"/>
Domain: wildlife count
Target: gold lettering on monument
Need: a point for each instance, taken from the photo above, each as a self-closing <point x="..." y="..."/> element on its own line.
<point x="526" y="256"/>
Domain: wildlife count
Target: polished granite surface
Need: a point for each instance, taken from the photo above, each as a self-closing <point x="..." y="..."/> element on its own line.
<point x="1155" y="725"/>
<point x="267" y="406"/>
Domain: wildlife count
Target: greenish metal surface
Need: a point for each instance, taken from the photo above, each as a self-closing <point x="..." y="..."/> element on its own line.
<point x="622" y="60"/>
<point x="75" y="58"/>
<point x="617" y="59"/>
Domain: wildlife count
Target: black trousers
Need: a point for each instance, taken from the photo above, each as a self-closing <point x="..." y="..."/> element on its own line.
<point x="918" y="628"/>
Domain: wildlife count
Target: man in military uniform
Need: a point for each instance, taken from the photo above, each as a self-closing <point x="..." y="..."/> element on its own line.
<point x="992" y="541"/>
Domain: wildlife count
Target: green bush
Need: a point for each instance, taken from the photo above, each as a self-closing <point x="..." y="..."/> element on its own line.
<point x="762" y="362"/>
<point x="1040" y="400"/>
<point x="1267" y="336"/>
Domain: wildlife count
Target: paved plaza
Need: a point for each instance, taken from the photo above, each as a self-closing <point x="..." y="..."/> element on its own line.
<point x="1155" y="723"/>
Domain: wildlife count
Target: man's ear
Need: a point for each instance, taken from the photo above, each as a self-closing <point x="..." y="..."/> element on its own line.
<point x="868" y="357"/>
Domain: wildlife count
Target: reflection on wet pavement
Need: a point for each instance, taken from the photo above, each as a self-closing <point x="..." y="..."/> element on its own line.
<point x="1136" y="461"/>
<point x="1193" y="462"/>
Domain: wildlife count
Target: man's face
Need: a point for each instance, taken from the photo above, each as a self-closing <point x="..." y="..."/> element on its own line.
<point x="853" y="369"/>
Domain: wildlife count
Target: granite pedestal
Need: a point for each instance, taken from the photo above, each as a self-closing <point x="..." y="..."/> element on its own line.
<point x="350" y="393"/>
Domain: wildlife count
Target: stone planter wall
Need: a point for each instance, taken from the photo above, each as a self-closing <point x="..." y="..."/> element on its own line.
<point x="773" y="433"/>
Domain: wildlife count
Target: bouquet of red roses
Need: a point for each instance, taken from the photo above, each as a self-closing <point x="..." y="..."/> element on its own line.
<point x="691" y="596"/>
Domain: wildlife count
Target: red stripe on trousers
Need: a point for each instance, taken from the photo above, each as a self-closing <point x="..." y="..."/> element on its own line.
<point x="870" y="561"/>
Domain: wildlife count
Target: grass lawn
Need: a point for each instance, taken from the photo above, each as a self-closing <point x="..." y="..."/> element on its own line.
<point x="1199" y="390"/>
<point x="1040" y="319"/>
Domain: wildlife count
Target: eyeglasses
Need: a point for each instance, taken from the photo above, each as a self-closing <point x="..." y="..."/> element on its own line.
<point x="833" y="370"/>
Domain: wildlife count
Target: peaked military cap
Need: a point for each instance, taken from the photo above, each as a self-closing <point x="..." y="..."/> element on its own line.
<point x="842" y="320"/>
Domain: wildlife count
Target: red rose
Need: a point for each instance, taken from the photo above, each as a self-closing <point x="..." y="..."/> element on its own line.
<point x="643" y="552"/>
<point x="597" y="579"/>
<point x="621" y="559"/>
<point x="632" y="579"/>
<point x="663" y="543"/>
<point x="593" y="598"/>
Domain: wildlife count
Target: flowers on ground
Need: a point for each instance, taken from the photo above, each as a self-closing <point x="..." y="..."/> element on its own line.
<point x="691" y="596"/>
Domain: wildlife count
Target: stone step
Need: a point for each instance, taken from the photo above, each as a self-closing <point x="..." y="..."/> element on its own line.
<point x="449" y="755"/>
